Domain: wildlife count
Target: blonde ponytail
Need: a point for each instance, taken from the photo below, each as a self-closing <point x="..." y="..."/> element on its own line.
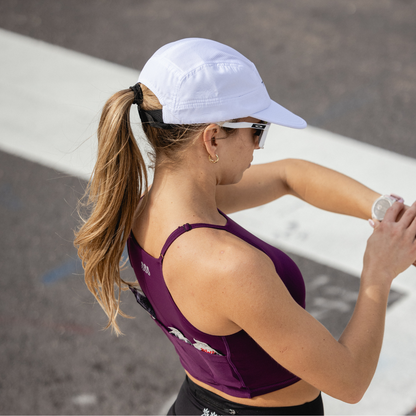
<point x="113" y="194"/>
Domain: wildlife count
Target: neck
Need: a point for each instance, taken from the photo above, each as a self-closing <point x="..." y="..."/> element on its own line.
<point x="187" y="190"/>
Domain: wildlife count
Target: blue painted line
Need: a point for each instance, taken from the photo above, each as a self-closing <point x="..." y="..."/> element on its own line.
<point x="71" y="267"/>
<point x="8" y="198"/>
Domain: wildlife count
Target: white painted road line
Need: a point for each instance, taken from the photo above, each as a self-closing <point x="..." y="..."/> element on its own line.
<point x="50" y="101"/>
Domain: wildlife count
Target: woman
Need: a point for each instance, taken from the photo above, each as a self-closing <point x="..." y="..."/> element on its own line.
<point x="232" y="305"/>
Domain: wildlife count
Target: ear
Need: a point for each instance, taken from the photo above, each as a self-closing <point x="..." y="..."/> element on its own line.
<point x="209" y="137"/>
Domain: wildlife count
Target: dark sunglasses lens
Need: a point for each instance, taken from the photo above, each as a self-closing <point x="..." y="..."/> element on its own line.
<point x="258" y="135"/>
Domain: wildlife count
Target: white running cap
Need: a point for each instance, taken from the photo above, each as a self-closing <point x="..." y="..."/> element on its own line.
<point x="202" y="81"/>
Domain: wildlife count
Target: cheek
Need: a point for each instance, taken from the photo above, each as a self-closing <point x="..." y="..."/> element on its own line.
<point x="236" y="167"/>
<point x="245" y="143"/>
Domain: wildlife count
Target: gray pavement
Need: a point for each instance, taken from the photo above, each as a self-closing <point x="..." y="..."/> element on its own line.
<point x="345" y="66"/>
<point x="54" y="357"/>
<point x="52" y="348"/>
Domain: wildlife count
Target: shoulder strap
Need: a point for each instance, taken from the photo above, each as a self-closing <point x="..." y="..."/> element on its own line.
<point x="183" y="229"/>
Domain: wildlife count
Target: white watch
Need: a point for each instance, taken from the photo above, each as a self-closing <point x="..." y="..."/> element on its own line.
<point x="382" y="204"/>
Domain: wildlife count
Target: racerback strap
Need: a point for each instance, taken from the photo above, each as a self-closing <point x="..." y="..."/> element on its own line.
<point x="183" y="229"/>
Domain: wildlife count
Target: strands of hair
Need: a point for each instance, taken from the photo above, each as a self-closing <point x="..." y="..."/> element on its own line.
<point x="113" y="193"/>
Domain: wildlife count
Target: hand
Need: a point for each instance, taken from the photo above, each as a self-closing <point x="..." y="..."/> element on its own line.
<point x="405" y="208"/>
<point x="374" y="222"/>
<point x="392" y="247"/>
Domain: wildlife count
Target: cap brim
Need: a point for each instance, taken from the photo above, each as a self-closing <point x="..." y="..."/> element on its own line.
<point x="277" y="114"/>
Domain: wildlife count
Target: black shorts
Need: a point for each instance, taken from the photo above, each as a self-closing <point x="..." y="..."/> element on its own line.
<point x="195" y="400"/>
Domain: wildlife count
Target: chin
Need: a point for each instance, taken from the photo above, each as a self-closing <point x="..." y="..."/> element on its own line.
<point x="232" y="179"/>
<point x="239" y="178"/>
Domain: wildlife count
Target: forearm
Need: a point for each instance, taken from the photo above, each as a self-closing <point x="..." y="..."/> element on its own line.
<point x="328" y="189"/>
<point x="363" y="336"/>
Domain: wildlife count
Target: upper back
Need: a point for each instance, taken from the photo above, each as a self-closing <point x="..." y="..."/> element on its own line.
<point x="216" y="359"/>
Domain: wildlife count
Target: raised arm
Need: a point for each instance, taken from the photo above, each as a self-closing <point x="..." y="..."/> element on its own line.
<point x="256" y="300"/>
<point x="315" y="184"/>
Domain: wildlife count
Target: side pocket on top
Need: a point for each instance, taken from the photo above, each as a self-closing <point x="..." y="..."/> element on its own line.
<point x="143" y="301"/>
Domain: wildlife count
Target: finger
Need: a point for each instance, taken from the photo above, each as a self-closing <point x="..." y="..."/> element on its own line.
<point x="408" y="218"/>
<point x="411" y="230"/>
<point x="399" y="198"/>
<point x="374" y="223"/>
<point x="405" y="208"/>
<point x="393" y="212"/>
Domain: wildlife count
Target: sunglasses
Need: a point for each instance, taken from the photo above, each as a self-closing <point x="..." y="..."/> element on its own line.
<point x="261" y="129"/>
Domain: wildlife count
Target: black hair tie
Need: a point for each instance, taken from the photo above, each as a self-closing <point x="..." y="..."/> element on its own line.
<point x="138" y="94"/>
<point x="154" y="117"/>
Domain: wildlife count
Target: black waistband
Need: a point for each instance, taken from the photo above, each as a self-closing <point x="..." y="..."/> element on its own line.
<point x="222" y="406"/>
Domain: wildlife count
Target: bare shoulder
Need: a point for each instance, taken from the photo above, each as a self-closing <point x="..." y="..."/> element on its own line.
<point x="211" y="272"/>
<point x="213" y="252"/>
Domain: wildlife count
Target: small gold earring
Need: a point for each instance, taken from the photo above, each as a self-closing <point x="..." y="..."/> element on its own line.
<point x="212" y="160"/>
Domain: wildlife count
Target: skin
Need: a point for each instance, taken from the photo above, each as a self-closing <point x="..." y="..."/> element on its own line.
<point x="220" y="292"/>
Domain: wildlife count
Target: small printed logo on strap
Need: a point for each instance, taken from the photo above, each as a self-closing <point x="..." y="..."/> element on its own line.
<point x="145" y="269"/>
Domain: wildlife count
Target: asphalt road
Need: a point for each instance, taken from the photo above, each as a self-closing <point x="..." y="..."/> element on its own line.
<point x="345" y="66"/>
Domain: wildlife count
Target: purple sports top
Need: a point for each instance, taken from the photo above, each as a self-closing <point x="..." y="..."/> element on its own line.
<point x="234" y="364"/>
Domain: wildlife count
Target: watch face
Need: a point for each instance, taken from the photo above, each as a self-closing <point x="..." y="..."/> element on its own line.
<point x="380" y="208"/>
